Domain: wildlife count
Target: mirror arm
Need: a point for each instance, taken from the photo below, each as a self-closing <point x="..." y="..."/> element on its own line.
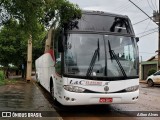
<point x="137" y="39"/>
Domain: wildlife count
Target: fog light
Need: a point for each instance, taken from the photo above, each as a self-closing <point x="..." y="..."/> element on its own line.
<point x="67" y="98"/>
<point x="72" y="99"/>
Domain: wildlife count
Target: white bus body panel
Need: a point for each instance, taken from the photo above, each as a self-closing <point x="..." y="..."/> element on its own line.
<point x="93" y="98"/>
<point x="44" y="70"/>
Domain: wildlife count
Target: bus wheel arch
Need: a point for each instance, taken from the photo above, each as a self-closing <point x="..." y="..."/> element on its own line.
<point x="52" y="88"/>
<point x="52" y="92"/>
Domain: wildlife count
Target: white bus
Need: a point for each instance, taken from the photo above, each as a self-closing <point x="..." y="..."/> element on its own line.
<point x="93" y="61"/>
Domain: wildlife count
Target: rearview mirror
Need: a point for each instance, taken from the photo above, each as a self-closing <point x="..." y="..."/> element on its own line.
<point x="137" y="39"/>
<point x="60" y="43"/>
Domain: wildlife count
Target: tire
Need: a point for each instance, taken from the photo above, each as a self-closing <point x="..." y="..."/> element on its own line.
<point x="52" y="91"/>
<point x="150" y="83"/>
<point x="55" y="102"/>
<point x="36" y="76"/>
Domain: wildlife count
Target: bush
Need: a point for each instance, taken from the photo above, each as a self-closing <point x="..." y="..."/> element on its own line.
<point x="2" y="75"/>
<point x="151" y="71"/>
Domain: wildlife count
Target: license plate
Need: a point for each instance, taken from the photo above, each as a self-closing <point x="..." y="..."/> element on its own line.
<point x="104" y="100"/>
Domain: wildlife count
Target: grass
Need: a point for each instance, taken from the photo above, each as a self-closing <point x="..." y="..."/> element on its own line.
<point x="7" y="81"/>
<point x="4" y="81"/>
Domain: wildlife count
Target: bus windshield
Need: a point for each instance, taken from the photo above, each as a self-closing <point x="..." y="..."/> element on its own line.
<point x="90" y="55"/>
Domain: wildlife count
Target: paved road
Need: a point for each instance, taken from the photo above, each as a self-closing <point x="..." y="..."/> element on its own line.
<point x="149" y="100"/>
<point x="21" y="97"/>
<point x="24" y="96"/>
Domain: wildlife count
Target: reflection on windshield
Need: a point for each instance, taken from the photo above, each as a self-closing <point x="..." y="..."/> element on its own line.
<point x="79" y="54"/>
<point x="88" y="55"/>
<point x="93" y="60"/>
<point x="120" y="24"/>
<point x="113" y="56"/>
<point x="107" y="23"/>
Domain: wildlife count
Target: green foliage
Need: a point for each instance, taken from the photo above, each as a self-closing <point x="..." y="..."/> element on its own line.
<point x="30" y="13"/>
<point x="68" y="12"/>
<point x="27" y="12"/>
<point x="151" y="71"/>
<point x="8" y="81"/>
<point x="1" y="75"/>
<point x="60" y="10"/>
<point x="2" y="82"/>
<point x="13" y="43"/>
<point x="13" y="68"/>
<point x="22" y="18"/>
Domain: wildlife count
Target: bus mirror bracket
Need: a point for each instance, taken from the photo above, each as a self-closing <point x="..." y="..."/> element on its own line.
<point x="137" y="39"/>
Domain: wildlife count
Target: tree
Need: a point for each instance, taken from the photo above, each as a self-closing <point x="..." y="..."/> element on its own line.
<point x="151" y="71"/>
<point x="13" y="44"/>
<point x="30" y="14"/>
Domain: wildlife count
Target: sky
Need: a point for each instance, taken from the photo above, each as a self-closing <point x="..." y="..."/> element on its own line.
<point x="148" y="44"/>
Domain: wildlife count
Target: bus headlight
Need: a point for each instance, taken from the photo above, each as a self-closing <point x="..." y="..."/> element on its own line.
<point x="132" y="88"/>
<point x="73" y="88"/>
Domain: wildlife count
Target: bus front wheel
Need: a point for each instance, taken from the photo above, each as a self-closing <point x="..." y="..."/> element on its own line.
<point x="55" y="102"/>
<point x="52" y="88"/>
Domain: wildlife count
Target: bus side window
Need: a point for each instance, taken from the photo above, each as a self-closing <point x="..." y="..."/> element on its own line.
<point x="57" y="57"/>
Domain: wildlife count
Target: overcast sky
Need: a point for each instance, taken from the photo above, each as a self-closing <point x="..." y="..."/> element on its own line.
<point x="147" y="44"/>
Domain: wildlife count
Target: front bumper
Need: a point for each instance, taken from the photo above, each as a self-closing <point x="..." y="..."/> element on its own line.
<point x="72" y="98"/>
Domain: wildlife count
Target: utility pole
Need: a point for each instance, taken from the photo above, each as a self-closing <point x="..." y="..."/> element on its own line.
<point x="142" y="11"/>
<point x="156" y="18"/>
<point x="29" y="59"/>
<point x="48" y="41"/>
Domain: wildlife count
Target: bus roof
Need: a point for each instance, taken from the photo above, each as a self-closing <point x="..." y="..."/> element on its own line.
<point x="102" y="22"/>
<point x="102" y="13"/>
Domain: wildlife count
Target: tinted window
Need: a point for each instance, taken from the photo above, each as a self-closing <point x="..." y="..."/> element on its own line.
<point x="104" y="23"/>
<point x="89" y="55"/>
<point x="57" y="56"/>
<point x="157" y="73"/>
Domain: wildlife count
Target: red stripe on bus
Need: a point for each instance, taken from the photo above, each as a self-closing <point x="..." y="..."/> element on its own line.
<point x="51" y="52"/>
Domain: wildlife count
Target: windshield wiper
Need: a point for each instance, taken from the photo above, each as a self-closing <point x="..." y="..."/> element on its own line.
<point x="93" y="60"/>
<point x="113" y="55"/>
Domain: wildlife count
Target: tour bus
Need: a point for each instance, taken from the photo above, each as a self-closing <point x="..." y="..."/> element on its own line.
<point x="94" y="61"/>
